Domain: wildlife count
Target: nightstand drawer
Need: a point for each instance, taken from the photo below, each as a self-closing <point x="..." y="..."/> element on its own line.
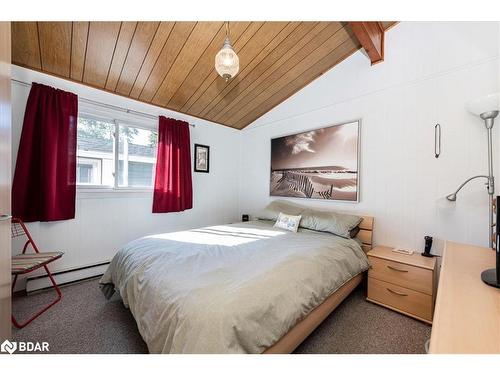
<point x="403" y="299"/>
<point x="405" y="275"/>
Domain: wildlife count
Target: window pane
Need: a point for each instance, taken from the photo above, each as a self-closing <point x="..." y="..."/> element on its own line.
<point x="95" y="156"/>
<point x="137" y="157"/>
<point x="88" y="171"/>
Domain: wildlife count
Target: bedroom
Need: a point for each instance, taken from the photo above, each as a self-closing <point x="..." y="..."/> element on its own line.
<point x="229" y="186"/>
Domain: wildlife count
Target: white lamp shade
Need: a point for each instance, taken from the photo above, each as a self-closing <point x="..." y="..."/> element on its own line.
<point x="484" y="104"/>
<point x="227" y="62"/>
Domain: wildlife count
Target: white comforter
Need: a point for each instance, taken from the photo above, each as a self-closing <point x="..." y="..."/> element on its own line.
<point x="229" y="289"/>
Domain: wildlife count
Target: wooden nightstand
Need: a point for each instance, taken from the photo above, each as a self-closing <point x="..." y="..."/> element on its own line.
<point x="405" y="283"/>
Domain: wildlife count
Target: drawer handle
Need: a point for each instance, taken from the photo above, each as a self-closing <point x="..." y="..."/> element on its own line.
<point x="397" y="293"/>
<point x="396" y="269"/>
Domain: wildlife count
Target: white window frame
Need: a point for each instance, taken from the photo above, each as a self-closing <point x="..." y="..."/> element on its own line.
<point x="115" y="188"/>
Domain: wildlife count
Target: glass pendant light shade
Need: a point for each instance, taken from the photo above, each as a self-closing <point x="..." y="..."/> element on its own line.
<point x="227" y="62"/>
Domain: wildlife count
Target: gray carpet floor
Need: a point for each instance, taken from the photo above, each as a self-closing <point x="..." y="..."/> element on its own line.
<point x="85" y="322"/>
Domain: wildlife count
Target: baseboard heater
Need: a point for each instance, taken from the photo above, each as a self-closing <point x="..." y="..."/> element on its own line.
<point x="66" y="276"/>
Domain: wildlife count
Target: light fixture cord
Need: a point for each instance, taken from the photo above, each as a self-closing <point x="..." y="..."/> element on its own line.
<point x="227" y="29"/>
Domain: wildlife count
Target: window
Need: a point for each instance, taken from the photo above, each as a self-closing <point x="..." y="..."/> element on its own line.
<point x="88" y="171"/>
<point x="137" y="157"/>
<point x="95" y="155"/>
<point x="132" y="154"/>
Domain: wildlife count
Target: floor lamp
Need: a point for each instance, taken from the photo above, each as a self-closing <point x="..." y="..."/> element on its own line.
<point x="487" y="108"/>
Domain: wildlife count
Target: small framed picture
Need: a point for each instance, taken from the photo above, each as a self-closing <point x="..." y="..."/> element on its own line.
<point x="201" y="158"/>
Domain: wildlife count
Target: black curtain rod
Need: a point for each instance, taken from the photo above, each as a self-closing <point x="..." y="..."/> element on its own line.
<point x="104" y="105"/>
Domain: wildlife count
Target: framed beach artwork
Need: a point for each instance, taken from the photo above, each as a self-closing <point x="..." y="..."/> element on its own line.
<point x="317" y="164"/>
<point x="201" y="158"/>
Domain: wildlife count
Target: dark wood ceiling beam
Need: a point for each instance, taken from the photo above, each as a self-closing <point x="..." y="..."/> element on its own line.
<point x="371" y="36"/>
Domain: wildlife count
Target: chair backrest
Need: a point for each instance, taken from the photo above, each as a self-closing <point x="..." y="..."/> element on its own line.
<point x="18" y="229"/>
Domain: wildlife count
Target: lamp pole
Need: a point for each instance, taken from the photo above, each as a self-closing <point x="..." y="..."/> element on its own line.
<point x="482" y="107"/>
<point x="489" y="118"/>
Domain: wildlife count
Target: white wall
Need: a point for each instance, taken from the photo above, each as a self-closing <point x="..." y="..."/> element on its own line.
<point x="430" y="71"/>
<point x="106" y="221"/>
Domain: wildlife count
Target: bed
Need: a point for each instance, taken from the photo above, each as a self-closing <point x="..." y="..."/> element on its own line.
<point x="239" y="288"/>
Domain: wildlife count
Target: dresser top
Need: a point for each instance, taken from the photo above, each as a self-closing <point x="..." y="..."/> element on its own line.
<point x="467" y="314"/>
<point x="415" y="259"/>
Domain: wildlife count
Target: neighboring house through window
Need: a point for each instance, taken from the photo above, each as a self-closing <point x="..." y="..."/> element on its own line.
<point x="110" y="161"/>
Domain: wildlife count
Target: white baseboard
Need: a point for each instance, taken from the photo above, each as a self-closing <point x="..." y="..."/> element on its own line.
<point x="37" y="283"/>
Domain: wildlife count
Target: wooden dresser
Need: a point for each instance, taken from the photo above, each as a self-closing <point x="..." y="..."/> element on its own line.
<point x="405" y="283"/>
<point x="467" y="316"/>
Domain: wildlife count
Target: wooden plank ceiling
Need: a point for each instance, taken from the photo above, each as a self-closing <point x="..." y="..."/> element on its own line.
<point x="171" y="64"/>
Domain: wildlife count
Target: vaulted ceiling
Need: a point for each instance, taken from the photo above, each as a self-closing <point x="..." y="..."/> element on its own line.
<point x="171" y="64"/>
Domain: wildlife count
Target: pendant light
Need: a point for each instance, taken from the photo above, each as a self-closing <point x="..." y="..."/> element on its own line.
<point x="227" y="62"/>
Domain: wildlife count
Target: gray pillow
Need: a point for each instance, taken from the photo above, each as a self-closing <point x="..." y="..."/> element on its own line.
<point x="333" y="222"/>
<point x="273" y="209"/>
<point x="343" y="225"/>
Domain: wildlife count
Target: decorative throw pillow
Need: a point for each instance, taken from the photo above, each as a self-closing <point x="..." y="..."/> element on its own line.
<point x="288" y="222"/>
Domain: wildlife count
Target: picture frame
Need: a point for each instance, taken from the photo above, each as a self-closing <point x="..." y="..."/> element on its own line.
<point x="201" y="158"/>
<point x="318" y="163"/>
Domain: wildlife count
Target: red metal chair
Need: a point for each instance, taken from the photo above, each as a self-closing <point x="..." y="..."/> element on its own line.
<point x="25" y="263"/>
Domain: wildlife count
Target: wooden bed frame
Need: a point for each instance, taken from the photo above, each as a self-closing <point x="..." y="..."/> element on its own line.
<point x="302" y="329"/>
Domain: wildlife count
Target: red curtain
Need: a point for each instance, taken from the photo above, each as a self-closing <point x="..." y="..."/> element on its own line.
<point x="173" y="186"/>
<point x="44" y="183"/>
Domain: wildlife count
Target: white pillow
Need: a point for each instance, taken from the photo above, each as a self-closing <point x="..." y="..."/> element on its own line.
<point x="288" y="222"/>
